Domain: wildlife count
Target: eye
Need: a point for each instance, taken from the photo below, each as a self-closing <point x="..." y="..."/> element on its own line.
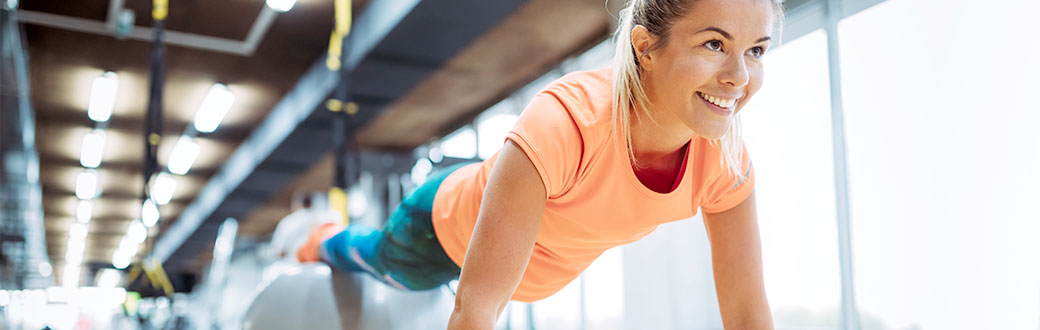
<point x="715" y="45"/>
<point x="757" y="52"/>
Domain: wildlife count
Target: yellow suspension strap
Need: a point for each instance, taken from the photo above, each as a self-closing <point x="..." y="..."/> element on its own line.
<point x="343" y="21"/>
<point x="157" y="274"/>
<point x="157" y="77"/>
<point x="338" y="197"/>
<point x="159" y="10"/>
<point x="135" y="271"/>
<point x="338" y="201"/>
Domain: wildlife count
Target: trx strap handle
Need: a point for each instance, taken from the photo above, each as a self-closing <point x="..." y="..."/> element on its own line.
<point x="338" y="201"/>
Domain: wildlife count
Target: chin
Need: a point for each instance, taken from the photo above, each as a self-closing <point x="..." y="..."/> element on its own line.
<point x="712" y="131"/>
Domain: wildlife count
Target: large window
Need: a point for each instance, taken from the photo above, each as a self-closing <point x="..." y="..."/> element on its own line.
<point x="787" y="128"/>
<point x="943" y="151"/>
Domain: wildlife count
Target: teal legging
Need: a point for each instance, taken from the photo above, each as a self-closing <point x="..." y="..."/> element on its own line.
<point x="406" y="253"/>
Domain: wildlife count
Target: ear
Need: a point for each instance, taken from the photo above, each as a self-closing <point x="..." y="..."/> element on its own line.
<point x="642" y="40"/>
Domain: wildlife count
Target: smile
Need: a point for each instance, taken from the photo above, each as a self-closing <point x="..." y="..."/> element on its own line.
<point x="720" y="105"/>
<point x="720" y="102"/>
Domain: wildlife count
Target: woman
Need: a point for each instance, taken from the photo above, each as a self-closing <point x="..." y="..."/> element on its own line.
<point x="597" y="159"/>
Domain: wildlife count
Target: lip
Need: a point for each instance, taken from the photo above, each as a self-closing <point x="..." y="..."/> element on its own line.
<point x="717" y="109"/>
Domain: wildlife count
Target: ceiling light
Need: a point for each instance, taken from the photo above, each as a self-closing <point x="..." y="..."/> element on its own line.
<point x="163" y="187"/>
<point x="121" y="261"/>
<point x="125" y="252"/>
<point x="136" y="232"/>
<point x="74" y="254"/>
<point x="86" y="184"/>
<point x="108" y="278"/>
<point x="70" y="279"/>
<point x="103" y="97"/>
<point x="127" y="247"/>
<point x="213" y="108"/>
<point x="84" y="210"/>
<point x="183" y="155"/>
<point x="93" y="144"/>
<point x="77" y="230"/>
<point x="149" y="213"/>
<point x="281" y="6"/>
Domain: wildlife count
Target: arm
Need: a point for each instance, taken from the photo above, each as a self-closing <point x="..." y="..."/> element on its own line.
<point x="498" y="253"/>
<point x="736" y="254"/>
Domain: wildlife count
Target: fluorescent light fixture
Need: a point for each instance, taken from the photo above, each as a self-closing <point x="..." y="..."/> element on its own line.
<point x="121" y="261"/>
<point x="109" y="278"/>
<point x="136" y="232"/>
<point x="281" y="6"/>
<point x="84" y="210"/>
<point x="93" y="144"/>
<point x="125" y="252"/>
<point x="86" y="184"/>
<point x="149" y="213"/>
<point x="102" y="97"/>
<point x="77" y="230"/>
<point x="77" y="242"/>
<point x="74" y="254"/>
<point x="213" y="108"/>
<point x="70" y="278"/>
<point x="183" y="155"/>
<point x="163" y="187"/>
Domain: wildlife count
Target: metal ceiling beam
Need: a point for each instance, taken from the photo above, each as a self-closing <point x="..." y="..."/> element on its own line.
<point x="238" y="47"/>
<point x="374" y="23"/>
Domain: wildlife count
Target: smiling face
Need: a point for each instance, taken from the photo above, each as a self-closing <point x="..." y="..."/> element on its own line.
<point x="708" y="66"/>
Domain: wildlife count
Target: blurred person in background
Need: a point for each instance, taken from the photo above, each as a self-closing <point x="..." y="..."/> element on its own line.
<point x="309" y="211"/>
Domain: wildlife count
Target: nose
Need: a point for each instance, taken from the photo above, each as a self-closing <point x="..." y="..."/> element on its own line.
<point x="734" y="72"/>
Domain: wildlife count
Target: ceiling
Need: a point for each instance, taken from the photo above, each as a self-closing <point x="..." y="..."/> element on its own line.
<point x="437" y="69"/>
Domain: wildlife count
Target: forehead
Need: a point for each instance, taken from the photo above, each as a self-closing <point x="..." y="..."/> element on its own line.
<point x="746" y="20"/>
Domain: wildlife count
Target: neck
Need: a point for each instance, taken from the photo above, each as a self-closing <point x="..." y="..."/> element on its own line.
<point x="657" y="142"/>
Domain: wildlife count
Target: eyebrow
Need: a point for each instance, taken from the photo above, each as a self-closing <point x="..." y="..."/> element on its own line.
<point x="729" y="36"/>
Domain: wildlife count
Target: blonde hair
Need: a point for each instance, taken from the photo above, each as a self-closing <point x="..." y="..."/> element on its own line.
<point x="657" y="16"/>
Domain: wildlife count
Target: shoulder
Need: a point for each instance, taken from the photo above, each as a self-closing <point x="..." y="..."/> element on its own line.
<point x="585" y="94"/>
<point x="581" y="98"/>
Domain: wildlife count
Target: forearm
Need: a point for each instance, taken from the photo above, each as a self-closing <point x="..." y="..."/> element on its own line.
<point x="750" y="317"/>
<point x="502" y="241"/>
<point x="472" y="320"/>
<point x="736" y="254"/>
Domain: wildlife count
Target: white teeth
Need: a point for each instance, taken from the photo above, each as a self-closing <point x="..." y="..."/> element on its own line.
<point x="724" y="103"/>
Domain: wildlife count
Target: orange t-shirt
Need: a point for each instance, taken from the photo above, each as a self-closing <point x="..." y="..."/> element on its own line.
<point x="594" y="201"/>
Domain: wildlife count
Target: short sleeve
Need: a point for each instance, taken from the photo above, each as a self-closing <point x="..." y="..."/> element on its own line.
<point x="726" y="190"/>
<point x="549" y="136"/>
